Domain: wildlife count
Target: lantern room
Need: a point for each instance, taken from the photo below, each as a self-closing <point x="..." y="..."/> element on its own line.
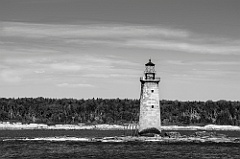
<point x="149" y="70"/>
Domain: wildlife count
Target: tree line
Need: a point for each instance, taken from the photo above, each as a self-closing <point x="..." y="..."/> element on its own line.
<point x="116" y="111"/>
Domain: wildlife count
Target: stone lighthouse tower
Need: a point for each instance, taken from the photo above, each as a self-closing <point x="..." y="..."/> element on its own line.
<point x="149" y="119"/>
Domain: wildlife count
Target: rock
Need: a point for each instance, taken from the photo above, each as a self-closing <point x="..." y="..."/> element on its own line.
<point x="148" y="134"/>
<point x="221" y="135"/>
<point x="204" y="134"/>
<point x="149" y="130"/>
<point x="172" y="134"/>
<point x="237" y="140"/>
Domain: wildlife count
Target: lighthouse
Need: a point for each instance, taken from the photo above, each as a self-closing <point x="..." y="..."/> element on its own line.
<point x="149" y="118"/>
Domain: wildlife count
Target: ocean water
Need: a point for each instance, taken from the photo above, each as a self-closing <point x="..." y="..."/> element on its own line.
<point x="73" y="144"/>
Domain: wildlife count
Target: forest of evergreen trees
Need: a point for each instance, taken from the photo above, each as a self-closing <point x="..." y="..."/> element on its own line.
<point x="115" y="111"/>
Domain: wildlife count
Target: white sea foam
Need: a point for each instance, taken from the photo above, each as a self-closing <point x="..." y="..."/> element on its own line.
<point x="131" y="139"/>
<point x="51" y="139"/>
<point x="206" y="127"/>
<point x="19" y="126"/>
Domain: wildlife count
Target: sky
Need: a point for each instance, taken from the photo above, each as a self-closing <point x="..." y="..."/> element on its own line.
<point x="98" y="48"/>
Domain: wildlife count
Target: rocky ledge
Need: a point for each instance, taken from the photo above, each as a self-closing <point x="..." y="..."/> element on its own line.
<point x="173" y="137"/>
<point x="168" y="137"/>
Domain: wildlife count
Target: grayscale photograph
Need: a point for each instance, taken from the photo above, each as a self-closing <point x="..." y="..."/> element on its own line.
<point x="120" y="79"/>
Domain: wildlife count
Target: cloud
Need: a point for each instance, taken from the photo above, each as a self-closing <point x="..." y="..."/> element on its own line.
<point x="212" y="63"/>
<point x="66" y="66"/>
<point x="185" y="47"/>
<point x="86" y="31"/>
<point x="10" y="76"/>
<point x="72" y="85"/>
<point x="60" y="68"/>
<point x="48" y="38"/>
<point x="39" y="71"/>
<point x="74" y="52"/>
<point x="107" y="75"/>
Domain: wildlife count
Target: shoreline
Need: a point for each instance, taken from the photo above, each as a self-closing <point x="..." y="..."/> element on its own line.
<point x="122" y="139"/>
<point x="34" y="126"/>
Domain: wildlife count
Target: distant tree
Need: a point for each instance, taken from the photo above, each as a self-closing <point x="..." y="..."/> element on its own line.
<point x="115" y="111"/>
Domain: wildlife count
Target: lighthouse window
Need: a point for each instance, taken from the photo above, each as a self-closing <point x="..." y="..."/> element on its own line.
<point x="152" y="90"/>
<point x="152" y="106"/>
